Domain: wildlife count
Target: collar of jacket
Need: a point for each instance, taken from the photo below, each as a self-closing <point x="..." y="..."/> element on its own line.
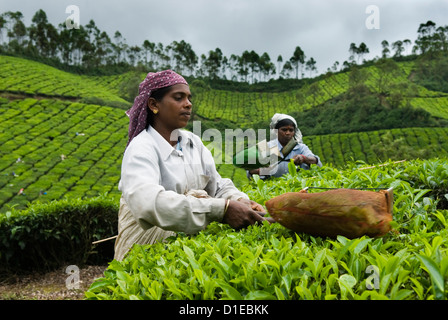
<point x="165" y="147"/>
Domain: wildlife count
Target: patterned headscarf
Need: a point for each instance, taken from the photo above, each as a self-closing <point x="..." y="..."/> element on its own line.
<point x="276" y="118"/>
<point x="138" y="113"/>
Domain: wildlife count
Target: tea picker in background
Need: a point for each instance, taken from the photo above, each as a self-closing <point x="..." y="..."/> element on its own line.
<point x="288" y="137"/>
<point x="169" y="181"/>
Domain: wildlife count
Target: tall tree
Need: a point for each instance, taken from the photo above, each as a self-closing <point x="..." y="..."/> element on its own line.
<point x="353" y="50"/>
<point x="297" y="60"/>
<point x="212" y="63"/>
<point x="267" y="68"/>
<point x="387" y="71"/>
<point x="362" y="50"/>
<point x="185" y="58"/>
<point x="287" y="69"/>
<point x="254" y="64"/>
<point x="279" y="64"/>
<point x="386" y="50"/>
<point x="119" y="47"/>
<point x="3" y="23"/>
<point x="311" y="65"/>
<point x="407" y="43"/>
<point x="18" y="30"/>
<point x="148" y="49"/>
<point x="425" y="37"/>
<point x="398" y="47"/>
<point x="38" y="33"/>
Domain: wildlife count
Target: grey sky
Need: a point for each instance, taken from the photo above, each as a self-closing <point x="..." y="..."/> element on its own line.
<point x="323" y="29"/>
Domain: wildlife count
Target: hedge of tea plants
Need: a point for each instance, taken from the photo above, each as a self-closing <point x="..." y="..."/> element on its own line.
<point x="375" y="146"/>
<point x="47" y="236"/>
<point x="271" y="262"/>
<point x="53" y="149"/>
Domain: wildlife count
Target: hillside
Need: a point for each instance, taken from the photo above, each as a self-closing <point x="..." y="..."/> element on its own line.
<point x="242" y="109"/>
<point x="30" y="78"/>
<point x="63" y="135"/>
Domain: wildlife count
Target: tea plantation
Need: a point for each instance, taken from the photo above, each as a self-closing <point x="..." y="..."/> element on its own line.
<point x="62" y="138"/>
<point x="270" y="262"/>
<point x="53" y="149"/>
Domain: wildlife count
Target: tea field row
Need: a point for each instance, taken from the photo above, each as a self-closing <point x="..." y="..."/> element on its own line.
<point x="32" y="78"/>
<point x="338" y="149"/>
<point x="52" y="149"/>
<point x="242" y="108"/>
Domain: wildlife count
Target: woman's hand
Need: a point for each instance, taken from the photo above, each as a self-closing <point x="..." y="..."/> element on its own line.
<point x="255" y="206"/>
<point x="243" y="213"/>
<point x="255" y="171"/>
<point x="300" y="158"/>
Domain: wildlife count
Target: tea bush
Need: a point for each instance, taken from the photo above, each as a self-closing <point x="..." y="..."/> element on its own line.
<point x="46" y="236"/>
<point x="271" y="262"/>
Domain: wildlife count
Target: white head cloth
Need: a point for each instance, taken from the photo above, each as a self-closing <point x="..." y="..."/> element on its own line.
<point x="276" y="118"/>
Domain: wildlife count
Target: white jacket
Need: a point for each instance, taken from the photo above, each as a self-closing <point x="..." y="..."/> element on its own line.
<point x="155" y="180"/>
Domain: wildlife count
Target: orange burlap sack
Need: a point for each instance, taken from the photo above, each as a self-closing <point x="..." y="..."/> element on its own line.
<point x="347" y="212"/>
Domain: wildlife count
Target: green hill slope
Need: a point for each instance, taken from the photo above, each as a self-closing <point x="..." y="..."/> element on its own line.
<point x="53" y="149"/>
<point x="242" y="109"/>
<point x="21" y="76"/>
<point x="60" y="146"/>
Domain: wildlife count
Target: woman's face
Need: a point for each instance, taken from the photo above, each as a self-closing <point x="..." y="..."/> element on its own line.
<point x="174" y="110"/>
<point x="285" y="134"/>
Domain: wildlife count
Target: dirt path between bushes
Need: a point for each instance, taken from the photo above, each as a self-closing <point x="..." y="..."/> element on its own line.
<point x="48" y="286"/>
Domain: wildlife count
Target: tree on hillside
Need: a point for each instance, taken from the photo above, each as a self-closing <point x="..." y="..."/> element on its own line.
<point x="362" y="50"/>
<point x="311" y="65"/>
<point x="134" y="55"/>
<point x="315" y="91"/>
<point x="243" y="64"/>
<point x="297" y="60"/>
<point x="357" y="53"/>
<point x="254" y="63"/>
<point x="431" y="39"/>
<point x="389" y="148"/>
<point x="407" y="43"/>
<point x="357" y="77"/>
<point x="186" y="59"/>
<point x="18" y="30"/>
<point x="42" y="35"/>
<point x="398" y="47"/>
<point x="2" y="27"/>
<point x="425" y="36"/>
<point x="443" y="38"/>
<point x="385" y="52"/>
<point x="335" y="66"/>
<point x="388" y="70"/>
<point x="353" y="49"/>
<point x="279" y="64"/>
<point x="213" y="62"/>
<point x="89" y="49"/>
<point x="148" y="50"/>
<point x="119" y="47"/>
<point x="287" y="69"/>
<point x="266" y="68"/>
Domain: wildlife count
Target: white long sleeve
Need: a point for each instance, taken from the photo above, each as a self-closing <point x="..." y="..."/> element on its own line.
<point x="155" y="178"/>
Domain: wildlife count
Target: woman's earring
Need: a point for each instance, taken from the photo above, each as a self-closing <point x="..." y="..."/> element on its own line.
<point x="155" y="111"/>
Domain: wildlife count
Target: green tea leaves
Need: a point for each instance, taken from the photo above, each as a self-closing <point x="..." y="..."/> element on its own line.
<point x="270" y="262"/>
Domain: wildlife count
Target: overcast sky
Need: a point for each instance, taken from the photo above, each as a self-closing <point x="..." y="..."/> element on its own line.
<point x="323" y="29"/>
